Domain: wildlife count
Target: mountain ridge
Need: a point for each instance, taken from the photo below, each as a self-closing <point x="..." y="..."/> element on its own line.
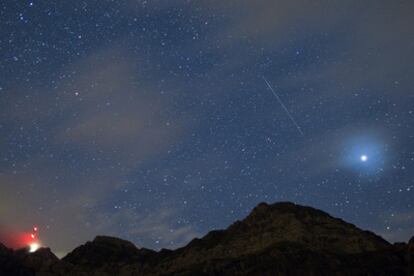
<point x="274" y="239"/>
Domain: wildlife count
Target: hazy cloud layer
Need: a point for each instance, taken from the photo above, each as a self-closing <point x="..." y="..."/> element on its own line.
<point x="161" y="120"/>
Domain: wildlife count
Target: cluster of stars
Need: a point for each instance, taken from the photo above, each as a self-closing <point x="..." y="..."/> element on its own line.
<point x="151" y="121"/>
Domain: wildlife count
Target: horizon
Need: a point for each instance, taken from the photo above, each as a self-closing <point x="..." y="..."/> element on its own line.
<point x="158" y="121"/>
<point x="61" y="255"/>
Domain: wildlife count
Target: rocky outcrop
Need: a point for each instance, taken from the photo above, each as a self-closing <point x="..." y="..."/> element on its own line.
<point x="278" y="239"/>
<point x="21" y="262"/>
<point x="411" y="256"/>
<point x="108" y="255"/>
<point x="37" y="261"/>
<point x="10" y="264"/>
<point x="103" y="249"/>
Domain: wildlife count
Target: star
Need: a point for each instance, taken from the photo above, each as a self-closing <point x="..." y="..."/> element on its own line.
<point x="121" y="124"/>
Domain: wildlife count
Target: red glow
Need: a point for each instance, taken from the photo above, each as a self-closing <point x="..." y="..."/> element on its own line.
<point x="16" y="239"/>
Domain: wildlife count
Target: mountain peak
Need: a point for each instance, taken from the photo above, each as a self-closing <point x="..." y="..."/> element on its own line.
<point x="105" y="249"/>
<point x="286" y="221"/>
<point x="111" y="241"/>
<point x="273" y="239"/>
<point x="286" y="207"/>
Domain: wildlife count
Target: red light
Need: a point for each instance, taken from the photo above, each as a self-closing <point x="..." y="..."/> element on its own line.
<point x="16" y="239"/>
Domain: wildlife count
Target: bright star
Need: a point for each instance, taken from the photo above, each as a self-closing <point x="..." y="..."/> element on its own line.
<point x="364" y="158"/>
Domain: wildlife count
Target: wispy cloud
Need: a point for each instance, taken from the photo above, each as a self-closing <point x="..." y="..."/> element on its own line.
<point x="107" y="114"/>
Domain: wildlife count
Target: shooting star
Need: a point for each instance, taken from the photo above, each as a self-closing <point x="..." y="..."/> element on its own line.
<point x="284" y="107"/>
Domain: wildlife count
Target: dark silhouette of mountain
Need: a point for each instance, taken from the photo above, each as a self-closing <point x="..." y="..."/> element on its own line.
<point x="278" y="239"/>
<point x="21" y="263"/>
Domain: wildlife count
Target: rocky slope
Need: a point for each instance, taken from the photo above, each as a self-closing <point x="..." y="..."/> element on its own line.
<point x="278" y="239"/>
<point x="20" y="262"/>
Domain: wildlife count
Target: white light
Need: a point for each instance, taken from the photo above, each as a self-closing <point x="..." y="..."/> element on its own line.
<point x="364" y="158"/>
<point x="33" y="247"/>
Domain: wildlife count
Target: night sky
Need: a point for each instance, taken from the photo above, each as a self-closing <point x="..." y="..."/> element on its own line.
<point x="152" y="120"/>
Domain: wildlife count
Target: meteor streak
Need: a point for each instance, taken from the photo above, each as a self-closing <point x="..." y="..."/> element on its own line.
<point x="284" y="107"/>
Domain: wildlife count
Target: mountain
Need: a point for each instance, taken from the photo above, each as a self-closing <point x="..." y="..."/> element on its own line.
<point x="21" y="263"/>
<point x="278" y="239"/>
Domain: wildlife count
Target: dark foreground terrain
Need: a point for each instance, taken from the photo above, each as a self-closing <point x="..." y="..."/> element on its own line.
<point x="278" y="239"/>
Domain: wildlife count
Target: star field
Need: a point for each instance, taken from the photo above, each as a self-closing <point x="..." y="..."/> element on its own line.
<point x="150" y="120"/>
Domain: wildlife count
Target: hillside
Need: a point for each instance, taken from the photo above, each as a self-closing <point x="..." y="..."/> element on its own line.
<point x="278" y="239"/>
